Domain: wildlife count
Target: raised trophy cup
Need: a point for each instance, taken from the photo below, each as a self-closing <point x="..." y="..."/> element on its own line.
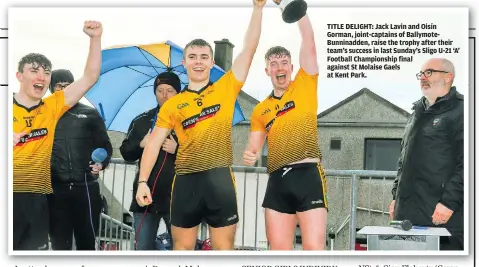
<point x="292" y="10"/>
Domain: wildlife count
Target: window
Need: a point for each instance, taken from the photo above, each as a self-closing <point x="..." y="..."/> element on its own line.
<point x="335" y="144"/>
<point x="382" y="154"/>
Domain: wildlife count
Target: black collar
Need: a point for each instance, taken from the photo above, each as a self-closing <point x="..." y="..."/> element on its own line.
<point x="275" y="97"/>
<point x="199" y="91"/>
<point x="27" y="109"/>
<point x="440" y="101"/>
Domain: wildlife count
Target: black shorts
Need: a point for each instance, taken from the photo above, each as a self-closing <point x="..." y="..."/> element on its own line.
<point x="30" y="221"/>
<point x="208" y="195"/>
<point x="296" y="188"/>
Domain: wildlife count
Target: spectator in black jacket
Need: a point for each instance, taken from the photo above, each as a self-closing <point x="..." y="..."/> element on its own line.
<point x="429" y="188"/>
<point x="147" y="219"/>
<point x="76" y="203"/>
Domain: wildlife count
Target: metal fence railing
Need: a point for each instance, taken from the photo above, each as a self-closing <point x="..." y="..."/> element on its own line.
<point x="114" y="235"/>
<point x="356" y="198"/>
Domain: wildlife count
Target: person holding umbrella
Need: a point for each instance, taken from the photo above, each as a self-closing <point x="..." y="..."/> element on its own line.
<point x="147" y="219"/>
<point x="202" y="116"/>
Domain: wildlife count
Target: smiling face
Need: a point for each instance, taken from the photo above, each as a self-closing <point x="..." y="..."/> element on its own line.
<point x="34" y="80"/>
<point x="34" y="75"/>
<point x="198" y="60"/>
<point x="279" y="67"/>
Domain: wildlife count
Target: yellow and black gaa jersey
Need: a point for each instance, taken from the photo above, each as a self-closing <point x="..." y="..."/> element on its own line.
<point x="31" y="156"/>
<point x="290" y="122"/>
<point x="202" y="121"/>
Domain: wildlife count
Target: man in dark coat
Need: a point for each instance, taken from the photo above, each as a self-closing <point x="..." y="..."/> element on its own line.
<point x="147" y="219"/>
<point x="429" y="188"/>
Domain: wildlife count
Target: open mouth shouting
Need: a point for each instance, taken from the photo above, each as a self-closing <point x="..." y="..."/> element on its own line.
<point x="38" y="87"/>
<point x="281" y="77"/>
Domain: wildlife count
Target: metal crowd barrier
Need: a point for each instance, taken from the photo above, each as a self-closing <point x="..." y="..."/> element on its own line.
<point x="114" y="235"/>
<point x="356" y="198"/>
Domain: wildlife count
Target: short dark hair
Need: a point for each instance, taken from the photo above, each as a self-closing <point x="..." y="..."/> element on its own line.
<point x="277" y="51"/>
<point x="37" y="60"/>
<point x="199" y="43"/>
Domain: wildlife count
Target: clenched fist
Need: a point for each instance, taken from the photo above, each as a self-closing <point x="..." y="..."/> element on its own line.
<point x="93" y="28"/>
<point x="259" y="3"/>
<point x="249" y="157"/>
<point x="143" y="195"/>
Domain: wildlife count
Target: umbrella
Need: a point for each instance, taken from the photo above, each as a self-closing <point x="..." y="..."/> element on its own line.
<point x="125" y="87"/>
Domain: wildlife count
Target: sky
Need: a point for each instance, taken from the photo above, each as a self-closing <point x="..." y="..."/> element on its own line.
<point x="59" y="36"/>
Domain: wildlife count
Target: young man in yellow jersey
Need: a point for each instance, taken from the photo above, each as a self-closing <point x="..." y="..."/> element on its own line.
<point x="296" y="189"/>
<point x="34" y="122"/>
<point x="202" y="117"/>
